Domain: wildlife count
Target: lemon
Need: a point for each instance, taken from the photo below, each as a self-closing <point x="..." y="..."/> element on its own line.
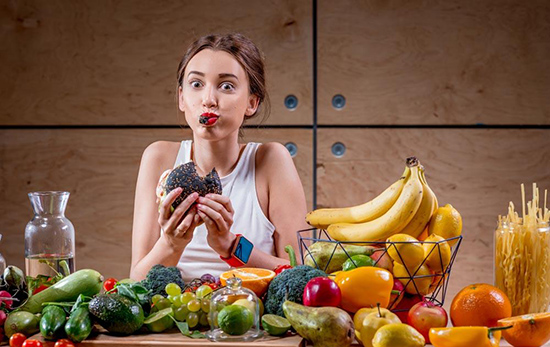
<point x="235" y="319"/>
<point x="447" y="223"/>
<point x="405" y="250"/>
<point x="356" y="261"/>
<point x="438" y="255"/>
<point x="275" y="325"/>
<point x="398" y="335"/>
<point x="159" y="321"/>
<point x="415" y="283"/>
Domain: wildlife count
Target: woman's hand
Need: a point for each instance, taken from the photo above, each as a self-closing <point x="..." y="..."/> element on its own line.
<point x="217" y="213"/>
<point x="179" y="225"/>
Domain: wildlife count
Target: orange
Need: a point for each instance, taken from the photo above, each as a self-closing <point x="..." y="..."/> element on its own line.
<point x="480" y="305"/>
<point x="254" y="279"/>
<point x="530" y="330"/>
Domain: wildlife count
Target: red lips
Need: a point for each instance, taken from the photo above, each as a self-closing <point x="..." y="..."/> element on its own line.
<point x="208" y="118"/>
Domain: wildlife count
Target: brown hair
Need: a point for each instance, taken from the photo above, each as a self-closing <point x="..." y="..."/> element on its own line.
<point x="246" y="53"/>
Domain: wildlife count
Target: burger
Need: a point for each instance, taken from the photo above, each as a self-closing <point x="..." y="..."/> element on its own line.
<point x="186" y="177"/>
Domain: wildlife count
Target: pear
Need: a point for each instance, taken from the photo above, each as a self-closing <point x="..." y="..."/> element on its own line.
<point x="322" y="326"/>
<point x="329" y="256"/>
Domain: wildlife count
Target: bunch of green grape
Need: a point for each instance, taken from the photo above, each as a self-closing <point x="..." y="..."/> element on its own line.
<point x="187" y="307"/>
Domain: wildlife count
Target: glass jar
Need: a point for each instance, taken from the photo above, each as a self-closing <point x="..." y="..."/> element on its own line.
<point x="234" y="313"/>
<point x="49" y="236"/>
<point x="522" y="265"/>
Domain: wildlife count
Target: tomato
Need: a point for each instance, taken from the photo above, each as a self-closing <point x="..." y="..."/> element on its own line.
<point x="40" y="288"/>
<point x="32" y="343"/>
<point x="109" y="284"/>
<point x="17" y="339"/>
<point x="214" y="286"/>
<point x="64" y="343"/>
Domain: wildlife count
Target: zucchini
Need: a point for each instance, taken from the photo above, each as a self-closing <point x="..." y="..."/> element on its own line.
<point x="52" y="322"/>
<point x="79" y="325"/>
<point x="87" y="282"/>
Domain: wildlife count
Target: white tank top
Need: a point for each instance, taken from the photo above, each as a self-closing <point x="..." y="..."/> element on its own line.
<point x="240" y="186"/>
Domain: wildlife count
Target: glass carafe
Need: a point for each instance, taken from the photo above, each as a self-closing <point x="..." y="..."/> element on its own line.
<point x="49" y="236"/>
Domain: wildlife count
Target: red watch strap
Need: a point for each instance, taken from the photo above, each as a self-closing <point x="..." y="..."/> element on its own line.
<point x="232" y="260"/>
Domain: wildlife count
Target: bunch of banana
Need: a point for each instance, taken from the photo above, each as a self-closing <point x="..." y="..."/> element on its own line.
<point x="405" y="207"/>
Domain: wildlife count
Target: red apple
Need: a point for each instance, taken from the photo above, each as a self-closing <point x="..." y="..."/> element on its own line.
<point x="425" y="315"/>
<point x="408" y="301"/>
<point x="395" y="299"/>
<point x="382" y="259"/>
<point x="322" y="291"/>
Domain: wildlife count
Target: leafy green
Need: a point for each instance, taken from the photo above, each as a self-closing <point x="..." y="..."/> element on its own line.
<point x="184" y="329"/>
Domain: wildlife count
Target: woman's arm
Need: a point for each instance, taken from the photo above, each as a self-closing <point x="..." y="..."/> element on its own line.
<point x="281" y="195"/>
<point x="149" y="247"/>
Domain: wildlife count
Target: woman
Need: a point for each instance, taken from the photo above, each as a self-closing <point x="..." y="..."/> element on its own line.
<point x="221" y="84"/>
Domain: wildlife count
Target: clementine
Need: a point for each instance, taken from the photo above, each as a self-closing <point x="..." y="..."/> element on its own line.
<point x="480" y="305"/>
<point x="254" y="279"/>
<point x="530" y="330"/>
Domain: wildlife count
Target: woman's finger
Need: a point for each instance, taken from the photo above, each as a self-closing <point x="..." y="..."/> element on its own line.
<point x="222" y="199"/>
<point x="185" y="225"/>
<point x="181" y="210"/>
<point x="216" y="217"/>
<point x="210" y="224"/>
<point x="217" y="208"/>
<point x="166" y="205"/>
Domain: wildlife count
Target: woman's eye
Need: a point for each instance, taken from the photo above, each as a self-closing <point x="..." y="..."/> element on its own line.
<point x="227" y="86"/>
<point x="195" y="84"/>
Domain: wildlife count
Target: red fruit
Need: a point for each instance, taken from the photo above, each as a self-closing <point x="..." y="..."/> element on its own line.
<point x="282" y="268"/>
<point x="64" y="343"/>
<point x="109" y="284"/>
<point x="395" y="299"/>
<point x="5" y="294"/>
<point x="39" y="289"/>
<point x="32" y="343"/>
<point x="426" y="315"/>
<point x="3" y="317"/>
<point x="402" y="309"/>
<point x="17" y="339"/>
<point x="322" y="291"/>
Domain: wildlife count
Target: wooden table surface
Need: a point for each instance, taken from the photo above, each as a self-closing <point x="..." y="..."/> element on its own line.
<point x="174" y="338"/>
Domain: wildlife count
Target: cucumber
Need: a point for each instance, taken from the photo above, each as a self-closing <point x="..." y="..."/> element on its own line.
<point x="79" y="325"/>
<point x="87" y="282"/>
<point x="52" y="322"/>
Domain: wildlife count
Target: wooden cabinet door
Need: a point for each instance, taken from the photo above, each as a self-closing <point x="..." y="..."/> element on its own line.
<point x="478" y="171"/>
<point x="99" y="168"/>
<point x="115" y="62"/>
<point x="438" y="62"/>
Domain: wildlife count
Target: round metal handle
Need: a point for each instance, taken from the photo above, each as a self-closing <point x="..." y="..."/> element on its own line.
<point x="338" y="101"/>
<point x="338" y="149"/>
<point x="291" y="102"/>
<point x="292" y="148"/>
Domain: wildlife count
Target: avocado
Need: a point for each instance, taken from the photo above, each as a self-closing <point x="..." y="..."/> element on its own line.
<point x="116" y="313"/>
<point x="186" y="177"/>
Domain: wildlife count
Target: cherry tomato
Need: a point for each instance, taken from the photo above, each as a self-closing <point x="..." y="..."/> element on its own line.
<point x="17" y="339"/>
<point x="64" y="343"/>
<point x="39" y="289"/>
<point x="214" y="286"/>
<point x="32" y="343"/>
<point x="109" y="284"/>
<point x="282" y="268"/>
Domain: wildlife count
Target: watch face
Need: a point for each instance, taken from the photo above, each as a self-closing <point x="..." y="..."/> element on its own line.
<point x="243" y="250"/>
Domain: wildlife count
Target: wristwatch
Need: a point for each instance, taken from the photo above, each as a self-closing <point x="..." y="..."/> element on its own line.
<point x="241" y="252"/>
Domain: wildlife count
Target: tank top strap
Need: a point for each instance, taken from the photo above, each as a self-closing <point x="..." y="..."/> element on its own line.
<point x="184" y="153"/>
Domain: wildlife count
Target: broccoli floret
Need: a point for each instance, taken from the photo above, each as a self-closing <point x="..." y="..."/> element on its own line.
<point x="159" y="276"/>
<point x="289" y="285"/>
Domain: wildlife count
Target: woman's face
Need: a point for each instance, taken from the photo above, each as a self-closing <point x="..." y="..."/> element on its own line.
<point x="214" y="95"/>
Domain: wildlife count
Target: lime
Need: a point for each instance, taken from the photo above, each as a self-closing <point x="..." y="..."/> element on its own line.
<point x="235" y="319"/>
<point x="275" y="325"/>
<point x="356" y="261"/>
<point x="159" y="321"/>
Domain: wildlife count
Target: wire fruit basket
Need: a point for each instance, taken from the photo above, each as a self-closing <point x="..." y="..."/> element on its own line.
<point x="335" y="253"/>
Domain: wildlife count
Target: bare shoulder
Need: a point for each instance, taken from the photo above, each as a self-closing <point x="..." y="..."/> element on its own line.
<point x="161" y="153"/>
<point x="272" y="155"/>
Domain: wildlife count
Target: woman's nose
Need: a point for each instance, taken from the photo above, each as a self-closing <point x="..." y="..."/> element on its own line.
<point x="209" y="98"/>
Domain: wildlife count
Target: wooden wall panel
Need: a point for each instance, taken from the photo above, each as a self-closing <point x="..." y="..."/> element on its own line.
<point x="434" y="62"/>
<point x="99" y="167"/>
<point x="477" y="171"/>
<point x="114" y="62"/>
